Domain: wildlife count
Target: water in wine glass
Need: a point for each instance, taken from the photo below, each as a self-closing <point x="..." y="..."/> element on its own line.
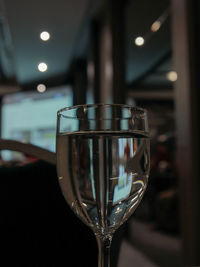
<point x="103" y="176"/>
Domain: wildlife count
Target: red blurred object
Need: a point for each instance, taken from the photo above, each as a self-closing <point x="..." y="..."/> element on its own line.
<point x="161" y="154"/>
<point x="127" y="150"/>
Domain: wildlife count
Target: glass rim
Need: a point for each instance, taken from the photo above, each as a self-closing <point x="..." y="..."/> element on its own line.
<point x="134" y="108"/>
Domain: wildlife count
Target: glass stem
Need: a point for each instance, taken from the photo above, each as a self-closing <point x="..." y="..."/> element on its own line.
<point x="104" y="244"/>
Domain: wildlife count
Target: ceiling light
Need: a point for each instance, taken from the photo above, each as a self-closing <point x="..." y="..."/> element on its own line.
<point x="155" y="26"/>
<point x="172" y="76"/>
<point x="41" y="88"/>
<point x="42" y="67"/>
<point x="139" y="41"/>
<point x="44" y="36"/>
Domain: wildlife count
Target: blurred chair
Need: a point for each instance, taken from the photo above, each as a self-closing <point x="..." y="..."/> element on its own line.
<point x="37" y="227"/>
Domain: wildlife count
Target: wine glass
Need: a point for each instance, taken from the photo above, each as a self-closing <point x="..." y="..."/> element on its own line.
<point x="103" y="165"/>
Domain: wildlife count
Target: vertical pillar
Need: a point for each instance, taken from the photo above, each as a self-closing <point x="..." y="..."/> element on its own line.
<point x="109" y="54"/>
<point x="79" y="82"/>
<point x="187" y="59"/>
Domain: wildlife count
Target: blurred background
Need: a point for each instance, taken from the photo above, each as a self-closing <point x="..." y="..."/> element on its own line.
<point x="140" y="52"/>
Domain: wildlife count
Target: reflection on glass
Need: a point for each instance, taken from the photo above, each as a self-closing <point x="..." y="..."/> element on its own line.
<point x="115" y="166"/>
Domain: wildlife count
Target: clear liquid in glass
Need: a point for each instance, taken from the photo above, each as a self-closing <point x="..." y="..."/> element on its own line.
<point x="103" y="176"/>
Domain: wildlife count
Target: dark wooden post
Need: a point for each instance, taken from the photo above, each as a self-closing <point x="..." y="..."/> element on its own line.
<point x="79" y="82"/>
<point x="187" y="59"/>
<point x="108" y="55"/>
<point x="116" y="18"/>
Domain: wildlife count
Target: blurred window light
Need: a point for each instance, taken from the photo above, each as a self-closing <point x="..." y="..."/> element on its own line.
<point x="41" y="88"/>
<point x="172" y="76"/>
<point x="44" y="36"/>
<point x="42" y="66"/>
<point x="40" y="130"/>
<point x="155" y="26"/>
<point x="139" y="41"/>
